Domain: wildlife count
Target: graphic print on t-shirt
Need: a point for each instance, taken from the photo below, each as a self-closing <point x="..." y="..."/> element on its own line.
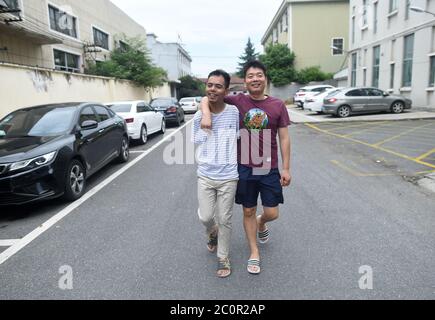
<point x="256" y="120"/>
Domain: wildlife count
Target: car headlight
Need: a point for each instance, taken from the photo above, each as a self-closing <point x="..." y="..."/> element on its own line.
<point x="33" y="163"/>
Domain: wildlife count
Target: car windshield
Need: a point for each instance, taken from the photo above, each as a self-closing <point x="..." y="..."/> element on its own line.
<point x="37" y="122"/>
<point x="161" y="103"/>
<point x="120" y="108"/>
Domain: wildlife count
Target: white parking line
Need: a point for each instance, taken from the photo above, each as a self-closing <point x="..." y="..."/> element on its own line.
<point x="138" y="151"/>
<point x="20" y="244"/>
<point x="296" y="115"/>
<point x="8" y="243"/>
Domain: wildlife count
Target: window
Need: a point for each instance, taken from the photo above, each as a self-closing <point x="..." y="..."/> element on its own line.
<point x="364" y="76"/>
<point x="408" y="6"/>
<point x="408" y="61"/>
<point x="66" y="61"/>
<point x="357" y="93"/>
<point x="376" y="64"/>
<point x="62" y="22"/>
<point x="286" y="21"/>
<point x="392" y="75"/>
<point x="123" y="46"/>
<point x="338" y="46"/>
<point x="88" y="114"/>
<point x="353" y="29"/>
<point x="432" y="72"/>
<point x="365" y="20"/>
<point x="101" y="39"/>
<point x="393" y="6"/>
<point x="103" y="114"/>
<point x="354" y="65"/>
<point x="375" y="17"/>
<point x="12" y="5"/>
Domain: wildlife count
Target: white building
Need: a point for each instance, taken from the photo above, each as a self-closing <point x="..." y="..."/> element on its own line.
<point x="393" y="48"/>
<point x="172" y="57"/>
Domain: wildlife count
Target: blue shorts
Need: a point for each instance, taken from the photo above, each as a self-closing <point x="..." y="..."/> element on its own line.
<point x="267" y="186"/>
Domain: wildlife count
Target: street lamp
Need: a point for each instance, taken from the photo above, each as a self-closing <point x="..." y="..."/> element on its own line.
<point x="420" y="10"/>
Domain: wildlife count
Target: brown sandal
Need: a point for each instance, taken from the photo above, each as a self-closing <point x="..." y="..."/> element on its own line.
<point x="225" y="266"/>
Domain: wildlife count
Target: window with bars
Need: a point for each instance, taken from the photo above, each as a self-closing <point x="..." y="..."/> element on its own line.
<point x="62" y="22"/>
<point x="432" y="72"/>
<point x="354" y="66"/>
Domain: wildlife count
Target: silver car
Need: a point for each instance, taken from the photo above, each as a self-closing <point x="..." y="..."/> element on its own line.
<point x="363" y="100"/>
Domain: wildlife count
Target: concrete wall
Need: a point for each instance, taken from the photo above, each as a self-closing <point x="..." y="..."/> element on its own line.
<point x="24" y="87"/>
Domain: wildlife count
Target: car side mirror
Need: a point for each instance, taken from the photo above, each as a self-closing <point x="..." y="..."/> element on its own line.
<point x="386" y="94"/>
<point x="89" y="124"/>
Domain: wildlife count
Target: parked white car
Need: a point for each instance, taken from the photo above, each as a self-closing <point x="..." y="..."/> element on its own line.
<point x="190" y="104"/>
<point x="315" y="103"/>
<point x="142" y="120"/>
<point x="307" y="92"/>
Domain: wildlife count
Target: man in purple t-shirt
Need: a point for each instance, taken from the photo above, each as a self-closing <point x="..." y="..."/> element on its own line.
<point x="262" y="119"/>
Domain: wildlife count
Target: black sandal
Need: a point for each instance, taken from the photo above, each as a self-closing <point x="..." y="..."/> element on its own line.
<point x="212" y="242"/>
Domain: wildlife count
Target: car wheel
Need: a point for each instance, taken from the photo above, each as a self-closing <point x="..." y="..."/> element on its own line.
<point x="124" y="152"/>
<point x="178" y="121"/>
<point x="343" y="111"/>
<point x="397" y="107"/>
<point x="75" y="182"/>
<point x="163" y="128"/>
<point x="143" y="135"/>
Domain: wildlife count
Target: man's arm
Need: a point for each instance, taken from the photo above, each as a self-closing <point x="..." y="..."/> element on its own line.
<point x="206" y="114"/>
<point x="285" y="144"/>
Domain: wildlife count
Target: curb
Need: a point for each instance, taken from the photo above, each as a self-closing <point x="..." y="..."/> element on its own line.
<point x="298" y="116"/>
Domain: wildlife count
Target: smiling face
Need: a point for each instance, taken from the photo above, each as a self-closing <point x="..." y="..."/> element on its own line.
<point x="255" y="81"/>
<point x="216" y="90"/>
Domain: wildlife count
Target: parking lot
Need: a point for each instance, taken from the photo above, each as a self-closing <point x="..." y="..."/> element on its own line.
<point x="404" y="148"/>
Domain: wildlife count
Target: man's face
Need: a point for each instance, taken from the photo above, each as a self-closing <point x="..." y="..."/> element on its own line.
<point x="255" y="81"/>
<point x="216" y="90"/>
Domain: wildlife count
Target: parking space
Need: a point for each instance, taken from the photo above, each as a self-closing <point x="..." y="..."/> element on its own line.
<point x="389" y="147"/>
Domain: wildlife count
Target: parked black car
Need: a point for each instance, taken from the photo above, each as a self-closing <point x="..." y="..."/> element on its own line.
<point x="49" y="151"/>
<point x="170" y="108"/>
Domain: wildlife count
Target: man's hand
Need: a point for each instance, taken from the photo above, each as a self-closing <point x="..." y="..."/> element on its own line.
<point x="286" y="178"/>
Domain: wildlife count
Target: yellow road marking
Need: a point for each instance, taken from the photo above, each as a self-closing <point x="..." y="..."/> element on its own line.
<point x="397" y="154"/>
<point x="401" y="134"/>
<point x="361" y="174"/>
<point x="424" y="156"/>
<point x="357" y="126"/>
<point x="366" y="129"/>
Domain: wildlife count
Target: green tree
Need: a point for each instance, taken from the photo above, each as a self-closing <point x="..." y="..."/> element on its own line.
<point x="248" y="56"/>
<point x="279" y="60"/>
<point x="131" y="62"/>
<point x="191" y="87"/>
<point x="313" y="74"/>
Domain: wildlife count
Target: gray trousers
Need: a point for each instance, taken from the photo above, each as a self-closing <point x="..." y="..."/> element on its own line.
<point x="216" y="202"/>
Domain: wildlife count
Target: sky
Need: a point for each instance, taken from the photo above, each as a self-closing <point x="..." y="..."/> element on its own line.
<point x="214" y="33"/>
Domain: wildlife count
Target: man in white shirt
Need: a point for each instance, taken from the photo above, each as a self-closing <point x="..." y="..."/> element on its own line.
<point x="217" y="168"/>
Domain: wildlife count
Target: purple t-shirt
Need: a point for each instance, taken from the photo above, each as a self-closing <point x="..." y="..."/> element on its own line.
<point x="259" y="124"/>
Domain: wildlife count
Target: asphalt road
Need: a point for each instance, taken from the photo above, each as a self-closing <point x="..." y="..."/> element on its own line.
<point x="140" y="238"/>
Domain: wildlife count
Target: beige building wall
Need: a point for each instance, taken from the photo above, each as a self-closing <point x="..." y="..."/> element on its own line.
<point x="42" y="86"/>
<point x="314" y="26"/>
<point x="309" y="29"/>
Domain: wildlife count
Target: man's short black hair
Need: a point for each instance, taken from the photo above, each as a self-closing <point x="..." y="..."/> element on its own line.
<point x="221" y="73"/>
<point x="254" y="64"/>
